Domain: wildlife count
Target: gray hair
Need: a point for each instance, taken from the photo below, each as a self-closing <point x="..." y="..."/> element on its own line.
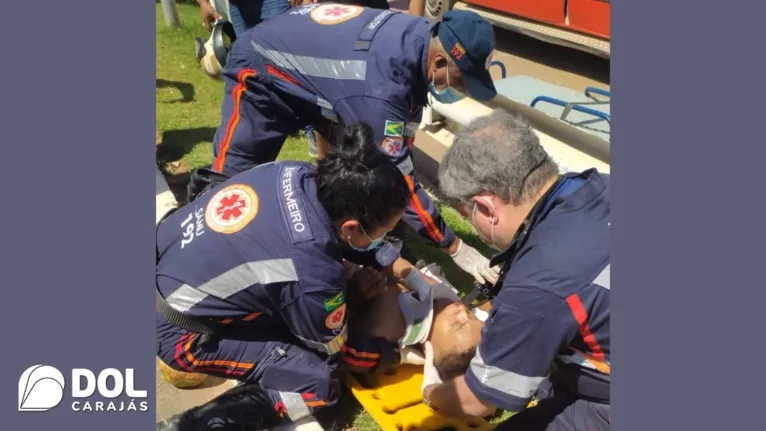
<point x="499" y="153"/>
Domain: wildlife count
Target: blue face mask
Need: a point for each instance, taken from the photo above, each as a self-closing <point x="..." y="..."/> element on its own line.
<point x="374" y="243"/>
<point x="446" y="96"/>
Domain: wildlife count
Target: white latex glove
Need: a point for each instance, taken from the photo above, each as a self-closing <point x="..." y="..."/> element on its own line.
<point x="417" y="282"/>
<point x="471" y="261"/>
<point x="430" y="375"/>
<point x="413" y="356"/>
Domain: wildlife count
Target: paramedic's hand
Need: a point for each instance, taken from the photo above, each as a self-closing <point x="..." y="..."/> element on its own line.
<point x="369" y="282"/>
<point x="430" y="375"/>
<point x="418" y="282"/>
<point x="413" y="356"/>
<point x="471" y="261"/>
<point x="209" y="15"/>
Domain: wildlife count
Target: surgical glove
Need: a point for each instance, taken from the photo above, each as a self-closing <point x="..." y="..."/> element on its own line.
<point x="413" y="356"/>
<point x="417" y="282"/>
<point x="471" y="261"/>
<point x="430" y="374"/>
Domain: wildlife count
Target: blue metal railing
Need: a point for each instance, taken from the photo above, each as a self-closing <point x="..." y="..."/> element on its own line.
<point x="590" y="90"/>
<point x="501" y="66"/>
<point x="578" y="106"/>
<point x="571" y="107"/>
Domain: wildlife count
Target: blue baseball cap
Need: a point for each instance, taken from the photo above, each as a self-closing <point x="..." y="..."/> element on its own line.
<point x="470" y="41"/>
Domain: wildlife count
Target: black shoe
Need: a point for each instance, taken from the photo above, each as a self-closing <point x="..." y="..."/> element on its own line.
<point x="243" y="408"/>
<point x="176" y="423"/>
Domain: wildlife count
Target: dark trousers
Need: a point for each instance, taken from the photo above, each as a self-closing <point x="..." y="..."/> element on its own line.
<point x="559" y="410"/>
<point x="291" y="381"/>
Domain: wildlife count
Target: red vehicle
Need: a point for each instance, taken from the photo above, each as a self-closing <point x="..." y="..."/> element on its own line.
<point x="579" y="24"/>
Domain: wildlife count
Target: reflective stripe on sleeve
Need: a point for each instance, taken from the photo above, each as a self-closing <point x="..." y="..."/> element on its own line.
<point x="233" y="281"/>
<point x="603" y="278"/>
<point x="315" y="66"/>
<point x="507" y="382"/>
<point x="331" y="347"/>
<point x="294" y="405"/>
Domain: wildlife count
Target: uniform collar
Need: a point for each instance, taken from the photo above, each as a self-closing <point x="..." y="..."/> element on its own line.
<point x="308" y="186"/>
<point x="569" y="184"/>
<point x="420" y="93"/>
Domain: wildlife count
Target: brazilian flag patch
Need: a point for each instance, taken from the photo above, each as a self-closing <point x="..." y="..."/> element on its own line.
<point x="394" y="128"/>
<point x="334" y="302"/>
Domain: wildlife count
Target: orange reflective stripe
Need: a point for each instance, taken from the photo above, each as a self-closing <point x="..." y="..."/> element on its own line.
<point x="581" y="316"/>
<point x="600" y="365"/>
<point x="365" y="364"/>
<point x="251" y="316"/>
<point x="428" y="222"/>
<point x="179" y="353"/>
<point x="214" y="363"/>
<point x="236" y="94"/>
<point x="359" y="354"/>
<point x="282" y="75"/>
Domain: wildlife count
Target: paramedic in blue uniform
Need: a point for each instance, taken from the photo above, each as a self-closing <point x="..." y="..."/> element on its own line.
<point x="246" y="14"/>
<point x="260" y="257"/>
<point x="354" y="64"/>
<point x="547" y="334"/>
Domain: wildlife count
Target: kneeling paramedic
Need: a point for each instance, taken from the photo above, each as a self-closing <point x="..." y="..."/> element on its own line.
<point x="354" y="64"/>
<point x="251" y="283"/>
<point x="547" y="334"/>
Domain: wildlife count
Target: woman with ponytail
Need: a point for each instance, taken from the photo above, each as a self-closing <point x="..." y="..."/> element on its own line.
<point x="251" y="282"/>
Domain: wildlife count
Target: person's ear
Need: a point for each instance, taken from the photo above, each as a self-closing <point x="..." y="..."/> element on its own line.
<point x="485" y="206"/>
<point x="349" y="228"/>
<point x="440" y="61"/>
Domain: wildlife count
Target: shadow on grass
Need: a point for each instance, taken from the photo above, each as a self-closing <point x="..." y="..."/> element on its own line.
<point x="177" y="184"/>
<point x="186" y="90"/>
<point x="177" y="143"/>
<point x="340" y="416"/>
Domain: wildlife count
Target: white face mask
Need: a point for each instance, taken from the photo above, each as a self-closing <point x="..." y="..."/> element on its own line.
<point x="491" y="226"/>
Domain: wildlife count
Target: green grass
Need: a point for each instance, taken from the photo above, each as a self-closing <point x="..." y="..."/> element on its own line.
<point x="188" y="113"/>
<point x="188" y="101"/>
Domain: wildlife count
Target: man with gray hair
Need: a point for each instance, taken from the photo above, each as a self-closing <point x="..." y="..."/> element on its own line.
<point x="548" y="331"/>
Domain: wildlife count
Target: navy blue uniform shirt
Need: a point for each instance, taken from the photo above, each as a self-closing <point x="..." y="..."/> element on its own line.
<point x="323" y="63"/>
<point x="551" y="315"/>
<point x="259" y="251"/>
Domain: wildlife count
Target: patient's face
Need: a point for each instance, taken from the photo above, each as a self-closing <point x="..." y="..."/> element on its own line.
<point x="455" y="328"/>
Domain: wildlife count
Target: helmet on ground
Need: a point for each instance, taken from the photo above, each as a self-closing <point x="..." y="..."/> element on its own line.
<point x="211" y="54"/>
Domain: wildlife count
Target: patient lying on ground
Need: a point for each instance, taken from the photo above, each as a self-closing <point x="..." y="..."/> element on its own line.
<point x="411" y="318"/>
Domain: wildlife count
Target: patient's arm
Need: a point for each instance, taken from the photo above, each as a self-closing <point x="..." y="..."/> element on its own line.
<point x="384" y="319"/>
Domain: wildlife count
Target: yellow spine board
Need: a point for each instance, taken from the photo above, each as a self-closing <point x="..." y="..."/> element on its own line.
<point x="396" y="404"/>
